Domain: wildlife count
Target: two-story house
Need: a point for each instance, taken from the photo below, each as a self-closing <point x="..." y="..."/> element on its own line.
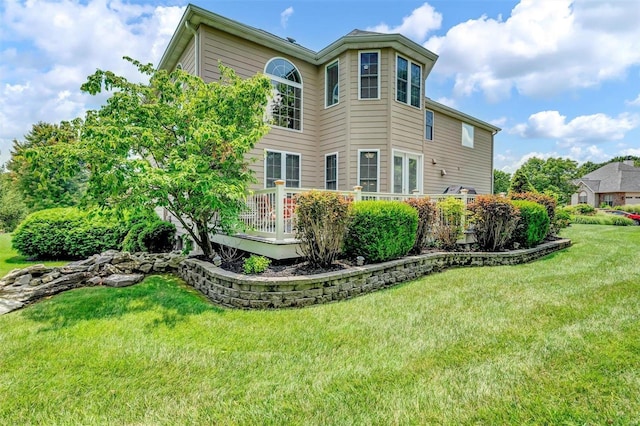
<point x="354" y="113"/>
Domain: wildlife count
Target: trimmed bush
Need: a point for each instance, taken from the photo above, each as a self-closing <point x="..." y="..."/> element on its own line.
<point x="66" y="233"/>
<point x="547" y="201"/>
<point x="380" y="230"/>
<point x="255" y="264"/>
<point x="448" y="229"/>
<point x="602" y="219"/>
<point x="533" y="226"/>
<point x="584" y="209"/>
<point x="562" y="219"/>
<point x="321" y="219"/>
<point x="150" y="234"/>
<point x="427" y="214"/>
<point x="494" y="219"/>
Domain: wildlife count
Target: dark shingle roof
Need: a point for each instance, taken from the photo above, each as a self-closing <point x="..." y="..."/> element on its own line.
<point x="613" y="177"/>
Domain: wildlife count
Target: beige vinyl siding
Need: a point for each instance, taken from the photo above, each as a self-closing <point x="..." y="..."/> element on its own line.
<point x="332" y="123"/>
<point x="369" y="121"/>
<point x="464" y="166"/>
<point x="248" y="59"/>
<point x="187" y="59"/>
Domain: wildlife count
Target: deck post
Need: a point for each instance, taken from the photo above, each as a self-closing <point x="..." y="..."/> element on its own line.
<point x="358" y="193"/>
<point x="279" y="206"/>
<point x="463" y="219"/>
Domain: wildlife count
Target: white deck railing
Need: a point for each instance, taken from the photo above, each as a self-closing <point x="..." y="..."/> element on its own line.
<point x="270" y="212"/>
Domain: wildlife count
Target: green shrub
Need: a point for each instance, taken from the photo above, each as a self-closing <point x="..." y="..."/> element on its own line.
<point x="131" y="242"/>
<point x="427" y="214"/>
<point x="584" y="209"/>
<point x="149" y="234"/>
<point x="622" y="221"/>
<point x="533" y="225"/>
<point x="547" y="201"/>
<point x="255" y="264"/>
<point x="562" y="218"/>
<point x="448" y="228"/>
<point x="66" y="233"/>
<point x="494" y="219"/>
<point x="380" y="230"/>
<point x="321" y="219"/>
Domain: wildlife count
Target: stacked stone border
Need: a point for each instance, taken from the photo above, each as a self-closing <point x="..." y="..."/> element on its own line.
<point x="255" y="292"/>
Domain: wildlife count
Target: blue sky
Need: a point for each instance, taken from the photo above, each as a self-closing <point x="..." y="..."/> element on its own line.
<point x="560" y="77"/>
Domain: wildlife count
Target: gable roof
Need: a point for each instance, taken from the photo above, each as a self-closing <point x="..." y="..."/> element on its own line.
<point x="194" y="16"/>
<point x="613" y="177"/>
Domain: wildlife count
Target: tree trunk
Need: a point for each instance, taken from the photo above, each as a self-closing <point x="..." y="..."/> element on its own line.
<point x="205" y="240"/>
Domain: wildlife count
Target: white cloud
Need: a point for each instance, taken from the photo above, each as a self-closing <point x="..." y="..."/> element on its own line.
<point x="500" y="122"/>
<point x="635" y="102"/>
<point x="450" y="102"/>
<point x="543" y="48"/>
<point x="631" y="151"/>
<point x="285" y="15"/>
<point x="60" y="44"/>
<point x="415" y="26"/>
<point x="582" y="129"/>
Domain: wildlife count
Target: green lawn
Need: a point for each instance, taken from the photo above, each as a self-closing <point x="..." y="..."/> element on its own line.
<point x="10" y="259"/>
<point x="556" y="341"/>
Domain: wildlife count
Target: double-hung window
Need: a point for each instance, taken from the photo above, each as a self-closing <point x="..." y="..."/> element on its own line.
<point x="286" y="105"/>
<point x="428" y="127"/>
<point x="408" y="82"/>
<point x="331" y="171"/>
<point x="282" y="165"/>
<point x="332" y="86"/>
<point x="369" y="82"/>
<point x="368" y="166"/>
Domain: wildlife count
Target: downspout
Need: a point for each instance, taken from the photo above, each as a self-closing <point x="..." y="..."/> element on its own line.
<point x="196" y="48"/>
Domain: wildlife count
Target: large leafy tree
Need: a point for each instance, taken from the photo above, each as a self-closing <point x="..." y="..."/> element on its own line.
<point x="552" y="176"/>
<point x="501" y="181"/>
<point x="42" y="168"/>
<point x="175" y="142"/>
<point x="12" y="207"/>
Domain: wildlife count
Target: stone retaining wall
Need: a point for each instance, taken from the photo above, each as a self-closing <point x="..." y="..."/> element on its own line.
<point x="255" y="292"/>
<point x="111" y="268"/>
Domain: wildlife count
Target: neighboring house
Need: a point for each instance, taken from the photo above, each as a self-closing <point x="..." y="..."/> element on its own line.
<point x="615" y="184"/>
<point x="353" y="113"/>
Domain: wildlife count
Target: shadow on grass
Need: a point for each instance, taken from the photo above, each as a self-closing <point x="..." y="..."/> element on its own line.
<point x="17" y="259"/>
<point x="164" y="294"/>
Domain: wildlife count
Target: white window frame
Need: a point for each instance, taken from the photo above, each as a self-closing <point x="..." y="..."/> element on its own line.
<point x="325" y="168"/>
<point x="409" y="81"/>
<point x="360" y="52"/>
<point x="326" y="84"/>
<point x="377" y="151"/>
<point x="283" y="166"/>
<point x="420" y="171"/>
<point x="273" y="77"/>
<point x="433" y="124"/>
<point x="471" y="129"/>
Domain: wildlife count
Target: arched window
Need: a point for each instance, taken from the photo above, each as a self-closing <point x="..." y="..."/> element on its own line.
<point x="286" y="107"/>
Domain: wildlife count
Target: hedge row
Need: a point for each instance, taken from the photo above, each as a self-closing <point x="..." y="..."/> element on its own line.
<point x="70" y="233"/>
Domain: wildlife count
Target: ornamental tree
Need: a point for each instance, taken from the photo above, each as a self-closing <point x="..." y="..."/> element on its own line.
<point x="175" y="142"/>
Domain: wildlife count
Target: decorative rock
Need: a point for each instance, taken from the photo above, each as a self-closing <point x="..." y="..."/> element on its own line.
<point x="39" y="269"/>
<point x="7" y="305"/>
<point x="103" y="259"/>
<point x="217" y="261"/>
<point x="359" y="260"/>
<point x="160" y="266"/>
<point x="23" y="280"/>
<point x="122" y="280"/>
<point x="70" y="269"/>
<point x="145" y="268"/>
<point x="121" y="258"/>
<point x="95" y="281"/>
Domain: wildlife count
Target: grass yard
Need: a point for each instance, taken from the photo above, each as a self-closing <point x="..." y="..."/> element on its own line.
<point x="556" y="341"/>
<point x="10" y="259"/>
